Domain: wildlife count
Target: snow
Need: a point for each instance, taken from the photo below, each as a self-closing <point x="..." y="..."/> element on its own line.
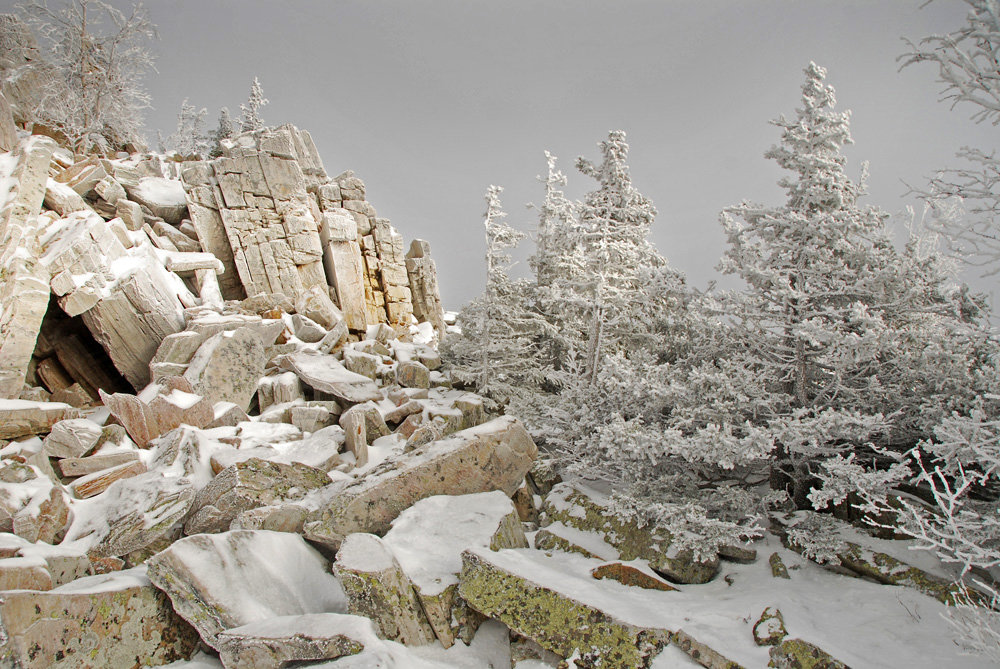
<point x="182" y="400"/>
<point x="119" y="580"/>
<point x="358" y="628"/>
<point x="25" y="405"/>
<point x="589" y="541"/>
<point x="163" y="192"/>
<point x="365" y="552"/>
<point x="428" y="538"/>
<point x="261" y="574"/>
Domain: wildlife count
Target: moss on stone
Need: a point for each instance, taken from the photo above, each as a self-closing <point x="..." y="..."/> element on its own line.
<point x="547" y="541"/>
<point x="769" y="630"/>
<point x="556" y="622"/>
<point x="778" y="569"/>
<point x="631" y="541"/>
<point x="799" y="654"/>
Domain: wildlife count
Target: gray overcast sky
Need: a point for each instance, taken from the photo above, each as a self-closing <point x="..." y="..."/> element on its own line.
<point x="431" y="101"/>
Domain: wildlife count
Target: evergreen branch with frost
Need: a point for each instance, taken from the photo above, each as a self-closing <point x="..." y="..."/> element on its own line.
<point x="817" y="537"/>
<point x="251" y="120"/>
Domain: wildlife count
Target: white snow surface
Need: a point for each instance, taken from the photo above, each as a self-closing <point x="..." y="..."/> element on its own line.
<point x="161" y="191"/>
<point x="428" y="538"/>
<point x="365" y="552"/>
<point x="262" y="574"/>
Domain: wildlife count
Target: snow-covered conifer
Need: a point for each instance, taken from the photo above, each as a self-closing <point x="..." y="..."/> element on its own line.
<point x="629" y="285"/>
<point x="225" y="130"/>
<point x="189" y="138"/>
<point x="497" y="350"/>
<point x="862" y="347"/>
<point x="251" y="119"/>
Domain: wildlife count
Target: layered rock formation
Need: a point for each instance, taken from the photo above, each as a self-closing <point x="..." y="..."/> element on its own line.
<point x="139" y="247"/>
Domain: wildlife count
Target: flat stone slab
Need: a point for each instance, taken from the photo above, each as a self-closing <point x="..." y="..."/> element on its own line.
<point x="220" y="581"/>
<point x="325" y="373"/>
<point x="278" y="642"/>
<point x="21" y="418"/>
<point x="113" y="620"/>
<point x="492" y="456"/>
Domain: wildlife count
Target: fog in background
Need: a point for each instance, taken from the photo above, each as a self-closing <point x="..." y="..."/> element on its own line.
<point x="430" y="102"/>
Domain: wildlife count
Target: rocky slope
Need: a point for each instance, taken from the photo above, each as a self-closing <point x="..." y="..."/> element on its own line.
<point x="225" y="438"/>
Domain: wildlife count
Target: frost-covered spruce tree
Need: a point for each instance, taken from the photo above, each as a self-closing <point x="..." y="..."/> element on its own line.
<point x="189" y="138"/>
<point x="560" y="269"/>
<point x="251" y="119"/>
<point x="630" y="286"/>
<point x="860" y="347"/>
<point x="497" y="350"/>
<point x="225" y="130"/>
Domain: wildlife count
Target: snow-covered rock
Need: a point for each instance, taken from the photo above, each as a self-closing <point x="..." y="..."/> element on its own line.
<point x="164" y="197"/>
<point x="511" y="586"/>
<point x="428" y="539"/>
<point x="288" y="640"/>
<point x="228" y="366"/>
<point x="327" y="374"/>
<point x="222" y="581"/>
<point x="247" y="485"/>
<point x="378" y="588"/>
<point x="492" y="456"/>
<point x="573" y="508"/>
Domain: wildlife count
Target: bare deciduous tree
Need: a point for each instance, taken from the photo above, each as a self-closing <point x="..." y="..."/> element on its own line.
<point x="98" y="56"/>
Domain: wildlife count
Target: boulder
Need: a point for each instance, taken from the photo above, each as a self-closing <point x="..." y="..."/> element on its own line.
<point x="360" y="363"/>
<point x="71" y="438"/>
<point x="23" y="573"/>
<point x="769" y="630"/>
<point x="630" y="575"/>
<point x="574" y="508"/>
<point x="377" y="588"/>
<point x="24" y="281"/>
<point x="247" y="485"/>
<point x="875" y="565"/>
<point x="493" y="456"/>
<point x="422" y="274"/>
<point x="227" y="367"/>
<point x="326" y="374"/>
<point x="96" y="483"/>
<point x="307" y="330"/>
<point x="290" y="640"/>
<point x="8" y="131"/>
<point x="796" y="653"/>
<point x="428" y="539"/>
<point x="135" y="515"/>
<point x="316" y="305"/>
<point x="34" y="508"/>
<point x="497" y="585"/>
<point x="218" y="582"/>
<point x="113" y="620"/>
<point x="368" y="415"/>
<point x="163" y="197"/>
<point x="159" y="408"/>
<point x="412" y="374"/>
<point x="72" y="467"/>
